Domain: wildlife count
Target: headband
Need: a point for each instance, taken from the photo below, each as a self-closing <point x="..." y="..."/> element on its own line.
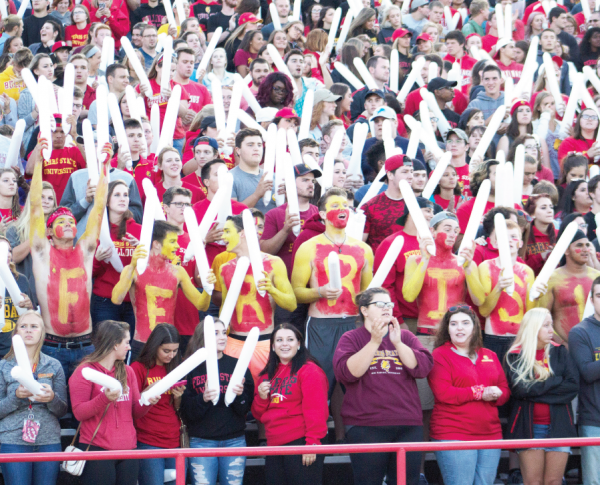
<point x="61" y="211"/>
<point x="92" y="52"/>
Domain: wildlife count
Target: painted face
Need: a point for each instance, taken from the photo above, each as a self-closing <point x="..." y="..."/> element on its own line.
<point x="170" y="246"/>
<point x="231" y="236"/>
<point x="447" y="232"/>
<point x="65" y="227"/>
<point x="337" y="212"/>
<point x="260" y="226"/>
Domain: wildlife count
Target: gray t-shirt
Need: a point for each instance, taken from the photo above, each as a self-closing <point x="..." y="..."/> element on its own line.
<point x="244" y="185"/>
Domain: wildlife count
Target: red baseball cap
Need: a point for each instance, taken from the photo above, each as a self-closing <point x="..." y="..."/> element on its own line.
<point x="516" y="104"/>
<point x="558" y="61"/>
<point x="400" y="33"/>
<point x="249" y="17"/>
<point x="425" y="36"/>
<point x="397" y="161"/>
<point x="286" y="113"/>
<point x="60" y="45"/>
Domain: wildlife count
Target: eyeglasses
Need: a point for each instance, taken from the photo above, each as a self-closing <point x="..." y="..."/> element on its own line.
<point x="434" y="120"/>
<point x="454" y="142"/>
<point x="149" y="36"/>
<point x="457" y="308"/>
<point x="78" y="106"/>
<point x="381" y="304"/>
<point x="583" y="226"/>
<point x="589" y="117"/>
<point x="181" y="205"/>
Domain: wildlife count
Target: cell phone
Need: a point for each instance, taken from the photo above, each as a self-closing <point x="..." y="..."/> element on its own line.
<point x="101" y="5"/>
<point x="179" y="384"/>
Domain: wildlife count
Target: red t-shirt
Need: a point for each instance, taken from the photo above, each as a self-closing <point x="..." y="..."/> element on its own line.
<point x="488" y="42"/>
<point x="198" y="95"/>
<point x="464" y="213"/>
<point x="466" y="66"/>
<point x="414" y="98"/>
<point x="541" y="411"/>
<point x="382" y="214"/>
<point x="535" y="250"/>
<point x="194" y="179"/>
<point x="63" y="162"/>
<point x="88" y="97"/>
<point x="514" y="70"/>
<point x="160" y="426"/>
<point x="462" y="174"/>
<point x="243" y="58"/>
<point x="77" y="37"/>
<point x="443" y="203"/>
<point x="197" y="194"/>
<point x="186" y="316"/>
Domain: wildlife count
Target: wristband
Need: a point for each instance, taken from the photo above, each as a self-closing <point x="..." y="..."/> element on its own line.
<point x="319" y="292"/>
<point x="478" y="392"/>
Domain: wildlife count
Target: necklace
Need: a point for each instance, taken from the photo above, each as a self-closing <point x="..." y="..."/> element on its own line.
<point x="339" y="246"/>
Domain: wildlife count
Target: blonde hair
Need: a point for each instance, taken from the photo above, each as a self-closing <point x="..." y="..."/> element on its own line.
<point x="22" y="223"/>
<point x="527" y="369"/>
<point x="38" y="349"/>
<point x="210" y="66"/>
<point x="385" y="23"/>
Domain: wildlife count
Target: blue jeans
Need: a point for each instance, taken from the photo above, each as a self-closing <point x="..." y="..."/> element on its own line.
<point x="542" y="432"/>
<point x="152" y="471"/>
<point x="104" y="309"/>
<point x="68" y="358"/>
<point x="229" y="469"/>
<point x="38" y="473"/>
<point x="468" y="467"/>
<point x="179" y="145"/>
<point x="590" y="456"/>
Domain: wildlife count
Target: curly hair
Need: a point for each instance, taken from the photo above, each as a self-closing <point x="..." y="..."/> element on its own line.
<point x="266" y="88"/>
<point x="480" y="175"/>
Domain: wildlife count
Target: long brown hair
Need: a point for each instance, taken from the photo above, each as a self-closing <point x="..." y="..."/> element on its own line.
<point x="38" y="350"/>
<point x="577" y="134"/>
<point x="443" y="335"/>
<point x="530" y="207"/>
<point x="126" y="215"/>
<point x="15" y="206"/>
<point x="197" y="340"/>
<point x="108" y="334"/>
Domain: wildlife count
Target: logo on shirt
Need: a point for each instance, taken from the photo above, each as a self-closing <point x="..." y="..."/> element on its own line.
<point x="597" y="353"/>
<point x="486" y="359"/>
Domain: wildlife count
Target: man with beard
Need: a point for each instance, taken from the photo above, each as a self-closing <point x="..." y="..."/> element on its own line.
<point x="259" y="69"/>
<point x="332" y="311"/>
<point x="224" y="17"/>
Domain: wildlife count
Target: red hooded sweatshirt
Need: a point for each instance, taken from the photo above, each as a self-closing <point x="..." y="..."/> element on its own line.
<point x="89" y="402"/>
<point x="313" y="226"/>
<point x="297" y="405"/>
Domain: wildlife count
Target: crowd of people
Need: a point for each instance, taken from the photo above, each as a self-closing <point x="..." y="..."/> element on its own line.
<point x="362" y="176"/>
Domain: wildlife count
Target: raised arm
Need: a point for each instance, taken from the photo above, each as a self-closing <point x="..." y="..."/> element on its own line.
<point x="37" y="222"/>
<point x="279" y="287"/>
<point x="127" y="276"/>
<point x="414" y="278"/>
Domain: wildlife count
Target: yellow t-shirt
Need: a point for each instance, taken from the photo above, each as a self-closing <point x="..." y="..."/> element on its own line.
<point x="220" y="260"/>
<point x="11" y="84"/>
<point x="164" y="29"/>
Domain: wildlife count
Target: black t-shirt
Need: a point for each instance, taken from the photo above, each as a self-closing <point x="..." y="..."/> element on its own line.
<point x="150" y="15"/>
<point x="10" y="314"/>
<point x="218" y="20"/>
<point x="31" y="29"/>
<point x="202" y="12"/>
<point x="231" y="54"/>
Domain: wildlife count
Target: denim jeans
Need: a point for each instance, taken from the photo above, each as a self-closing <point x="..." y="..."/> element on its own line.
<point x="103" y="309"/>
<point x="152" y="471"/>
<point x="179" y="145"/>
<point x="590" y="456"/>
<point x="39" y="473"/>
<point x="468" y="467"/>
<point x="68" y="358"/>
<point x="229" y="469"/>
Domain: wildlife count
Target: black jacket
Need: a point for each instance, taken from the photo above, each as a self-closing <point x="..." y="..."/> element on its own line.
<point x="558" y="391"/>
<point x="210" y="422"/>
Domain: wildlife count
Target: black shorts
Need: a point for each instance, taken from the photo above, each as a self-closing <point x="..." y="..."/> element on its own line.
<point x="322" y="337"/>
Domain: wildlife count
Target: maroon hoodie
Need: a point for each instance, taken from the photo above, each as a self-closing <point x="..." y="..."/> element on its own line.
<point x="89" y="402"/>
<point x="313" y="226"/>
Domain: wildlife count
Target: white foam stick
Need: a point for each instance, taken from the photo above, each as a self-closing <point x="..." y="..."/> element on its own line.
<point x="217" y="94"/>
<point x="247" y="351"/>
<point x="269" y="165"/>
<point x="212" y="362"/>
<point x="146" y="234"/>
<point x="335" y="24"/>
<point x="280" y="151"/>
<point x="3" y="9"/>
<point x="151" y="193"/>
<point x="135" y="63"/>
<point x="413" y="144"/>
<point x="364" y="73"/>
<point x="90" y="152"/>
<point x="234" y="106"/>
<point x="500" y="23"/>
<point x="31" y="84"/>
<point x="214" y="40"/>
<point x="489" y="133"/>
<point x="250" y="122"/>
<point x="525" y="84"/>
<point x="389" y="144"/>
<point x="199" y="250"/>
<point x="551" y="79"/>
<point x="102" y="126"/>
<point x="329" y="159"/>
<point x="504" y="251"/>
<point x="68" y="86"/>
<point x="394" y="70"/>
<point x="432" y="104"/>
<point x="253" y="248"/>
<point x="569" y="115"/>
<point x="333" y="265"/>
<point x="45" y="119"/>
<point x="585" y="8"/>
<point x="455" y="74"/>
<point x="225" y="181"/>
<point x="436" y="175"/>
<point x="518" y="175"/>
<point x="274" y="16"/>
<point x="432" y="71"/>
<point x="349" y="75"/>
<point x="405" y="7"/>
<point x="591" y="76"/>
<point x="27" y="381"/>
<point x="23" y="8"/>
<point x="14" y="150"/>
<point x="356" y="224"/>
<point x="345" y="30"/>
<point x="307" y="109"/>
<point x="451" y="22"/>
<point x="414" y="73"/>
<point x="291" y="192"/>
<point x="233" y="292"/>
<point x="21" y="354"/>
<point x="509" y="91"/>
<point x="250" y="99"/>
<point x="133" y="104"/>
<point x="155" y="125"/>
<point x="281" y="66"/>
<point x="586" y="98"/>
<point x="507" y="21"/>
<point x="168" y="127"/>
<point x="588" y="311"/>
<point x="388" y="261"/>
<point x="173" y="377"/>
<point x="170" y="474"/>
<point x="211" y="213"/>
<point x="117" y="120"/>
<point x="553" y="260"/>
<point x="180" y="11"/>
<point x="499" y="202"/>
<point x="509" y="181"/>
<point x="101" y="379"/>
<point x="169" y="12"/>
<point x="415" y="212"/>
<point x="9" y="281"/>
<point x="107" y="242"/>
<point x="296" y="11"/>
<point x="373" y="189"/>
<point x="594" y="170"/>
<point x="475" y="219"/>
<point x="107" y="56"/>
<point x="361" y="130"/>
<point x="293" y="147"/>
<point x="165" y="78"/>
<point x="425" y="136"/>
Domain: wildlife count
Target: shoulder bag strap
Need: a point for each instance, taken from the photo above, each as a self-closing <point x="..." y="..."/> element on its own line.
<point x="97" y="427"/>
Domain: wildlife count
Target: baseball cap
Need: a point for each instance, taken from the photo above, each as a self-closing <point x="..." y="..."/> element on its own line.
<point x="384" y="112"/>
<point x="266" y="114"/>
<point x="418" y="3"/>
<point x="395" y="162"/>
<point x="286" y="113"/>
<point x="325" y="95"/>
<point x="303" y="169"/>
<point x="248" y="17"/>
<point x="376" y="92"/>
<point x="206" y="140"/>
<point x="208" y="122"/>
<point x="439" y="83"/>
<point x="418" y="166"/>
<point x="458" y="132"/>
<point x="516" y="104"/>
<point x="60" y="45"/>
<point x="558" y="61"/>
<point x="423" y="204"/>
<point x="400" y="33"/>
<point x="425" y="36"/>
<point x="442" y="216"/>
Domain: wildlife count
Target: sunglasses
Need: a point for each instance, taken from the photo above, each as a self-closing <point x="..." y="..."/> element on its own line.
<point x="381" y="304"/>
<point x="457" y="308"/>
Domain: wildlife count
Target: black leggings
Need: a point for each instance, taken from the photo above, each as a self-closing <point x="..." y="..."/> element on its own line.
<point x="109" y="472"/>
<point x="289" y="470"/>
<point x="370" y="468"/>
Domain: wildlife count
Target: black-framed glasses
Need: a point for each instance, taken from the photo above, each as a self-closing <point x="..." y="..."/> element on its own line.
<point x="457" y="308"/>
<point x="381" y="304"/>
<point x="181" y="205"/>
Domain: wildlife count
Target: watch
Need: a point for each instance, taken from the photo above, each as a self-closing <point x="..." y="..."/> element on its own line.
<point x="79" y="140"/>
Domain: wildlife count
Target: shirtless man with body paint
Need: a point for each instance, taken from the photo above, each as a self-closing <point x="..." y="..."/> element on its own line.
<point x="63" y="271"/>
<point x="569" y="287"/>
<point x="154" y="293"/>
<point x="331" y="312"/>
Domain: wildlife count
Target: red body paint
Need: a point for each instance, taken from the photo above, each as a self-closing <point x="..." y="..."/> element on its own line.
<point x="352" y="261"/>
<point x="252" y="310"/>
<point x="333" y="217"/>
<point x="570" y="297"/>
<point x="506" y="317"/>
<point x="68" y="298"/>
<point x="58" y="232"/>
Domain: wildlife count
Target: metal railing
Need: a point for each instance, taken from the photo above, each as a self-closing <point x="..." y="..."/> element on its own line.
<point x="180" y="454"/>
